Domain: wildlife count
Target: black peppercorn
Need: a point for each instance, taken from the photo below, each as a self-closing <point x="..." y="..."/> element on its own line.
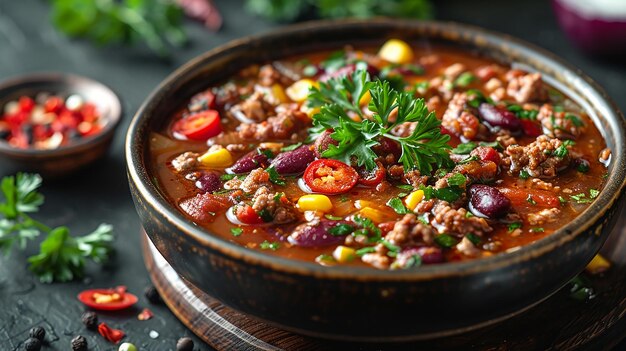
<point x="79" y="343"/>
<point x="184" y="344"/>
<point x="38" y="333"/>
<point x="152" y="295"/>
<point x="90" y="320"/>
<point x="32" y="344"/>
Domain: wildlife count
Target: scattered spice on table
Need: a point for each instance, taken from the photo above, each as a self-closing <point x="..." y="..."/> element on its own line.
<point x="145" y="315"/>
<point x="152" y="294"/>
<point x="49" y="121"/>
<point x="184" y="344"/>
<point x="153" y="334"/>
<point x="90" y="320"/>
<point x="79" y="343"/>
<point x="38" y="333"/>
<point x="110" y="334"/>
<point x="32" y="344"/>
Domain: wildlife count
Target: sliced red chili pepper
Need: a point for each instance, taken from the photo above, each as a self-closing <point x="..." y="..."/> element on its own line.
<point x="373" y="177"/>
<point x="199" y="126"/>
<point x="126" y="299"/>
<point x="247" y="215"/>
<point x="110" y="334"/>
<point x="330" y="177"/>
<point x="531" y="128"/>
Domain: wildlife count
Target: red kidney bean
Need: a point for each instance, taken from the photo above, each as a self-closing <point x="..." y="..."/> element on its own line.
<point x="486" y="201"/>
<point x="347" y="71"/>
<point x="293" y="162"/>
<point x="248" y="162"/>
<point x="209" y="182"/>
<point x="498" y="117"/>
<point x="322" y="143"/>
<point x="307" y="235"/>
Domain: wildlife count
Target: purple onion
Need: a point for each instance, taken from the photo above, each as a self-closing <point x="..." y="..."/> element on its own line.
<point x="307" y="235"/>
<point x="293" y="162"/>
<point x="486" y="201"/>
<point x="497" y="117"/>
<point x="248" y="162"/>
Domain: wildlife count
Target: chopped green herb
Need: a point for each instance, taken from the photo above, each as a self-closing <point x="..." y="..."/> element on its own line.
<point x="562" y="150"/>
<point x="412" y="262"/>
<point x="562" y="200"/>
<point x="445" y="240"/>
<point x="558" y="108"/>
<point x="476" y="98"/>
<point x="583" y="166"/>
<point x="291" y="147"/>
<point x="266" y="245"/>
<point x="397" y="205"/>
<point x="333" y="218"/>
<point x="268" y="153"/>
<point x="391" y="247"/>
<point x="402" y="194"/>
<point x="275" y="177"/>
<point x="365" y="250"/>
<point x="494" y="144"/>
<point x="581" y="289"/>
<point x="469" y="159"/>
<point x="450" y="194"/>
<point x="464" y="149"/>
<point x="334" y="61"/>
<point x="468" y="214"/>
<point x="325" y="258"/>
<point x="530" y="200"/>
<point x="344" y="198"/>
<point x="309" y="71"/>
<point x="236" y="231"/>
<point x="227" y="177"/>
<point x="425" y="149"/>
<point x="537" y="230"/>
<point x="405" y="187"/>
<point x="341" y="229"/>
<point x="441" y="172"/>
<point x="593" y="193"/>
<point x="373" y="231"/>
<point x="576" y="121"/>
<point x="423" y="218"/>
<point x="515" y="225"/>
<point x="278" y="196"/>
<point x="422" y="87"/>
<point x="581" y="198"/>
<point x="464" y="79"/>
<point x="523" y="174"/>
<point x="265" y="215"/>
<point x="457" y="179"/>
<point x="475" y="239"/>
<point x="605" y="175"/>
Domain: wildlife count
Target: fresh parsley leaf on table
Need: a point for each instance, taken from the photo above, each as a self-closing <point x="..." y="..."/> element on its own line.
<point x="61" y="256"/>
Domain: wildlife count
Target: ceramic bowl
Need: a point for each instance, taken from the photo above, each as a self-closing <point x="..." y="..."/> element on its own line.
<point x="64" y="160"/>
<point x="357" y="303"/>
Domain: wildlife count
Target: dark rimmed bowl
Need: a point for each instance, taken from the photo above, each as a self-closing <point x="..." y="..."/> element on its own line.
<point x="66" y="159"/>
<point x="364" y="304"/>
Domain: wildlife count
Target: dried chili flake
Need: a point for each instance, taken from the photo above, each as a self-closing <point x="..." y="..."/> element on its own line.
<point x="145" y="315"/>
<point x="110" y="334"/>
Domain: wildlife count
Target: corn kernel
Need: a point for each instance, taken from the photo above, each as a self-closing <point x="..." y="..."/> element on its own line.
<point x="413" y="199"/>
<point x="279" y="93"/>
<point x="599" y="264"/>
<point x="310" y="111"/>
<point x="299" y="90"/>
<point x="217" y="158"/>
<point x="365" y="99"/>
<point x="343" y="254"/>
<point x="377" y="216"/>
<point x="396" y="51"/>
<point x="315" y="202"/>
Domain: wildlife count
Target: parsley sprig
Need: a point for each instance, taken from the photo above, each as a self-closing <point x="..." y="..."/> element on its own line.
<point x="338" y="99"/>
<point x="61" y="256"/>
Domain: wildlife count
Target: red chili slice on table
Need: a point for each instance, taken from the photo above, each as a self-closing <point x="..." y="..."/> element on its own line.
<point x="90" y="299"/>
<point x="199" y="126"/>
<point x="330" y="177"/>
<point x="372" y="177"/>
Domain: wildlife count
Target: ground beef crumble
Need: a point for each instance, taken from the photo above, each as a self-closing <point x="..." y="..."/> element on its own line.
<point x="409" y="231"/>
<point x="526" y="88"/>
<point x="185" y="161"/>
<point x="277" y="206"/>
<point x="458" y="120"/>
<point x="536" y="158"/>
<point x="457" y="221"/>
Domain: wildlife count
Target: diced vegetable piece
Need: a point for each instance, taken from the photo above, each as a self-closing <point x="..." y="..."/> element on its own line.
<point x="329" y="176"/>
<point x="199" y="126"/>
<point x="299" y="90"/>
<point x="218" y="158"/>
<point x="599" y="264"/>
<point x="519" y="197"/>
<point x="413" y="199"/>
<point x="377" y="216"/>
<point x="315" y="202"/>
<point x="279" y="93"/>
<point x="344" y="254"/>
<point x="396" y="51"/>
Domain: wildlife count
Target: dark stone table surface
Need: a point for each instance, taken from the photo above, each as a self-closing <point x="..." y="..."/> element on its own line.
<point x="28" y="43"/>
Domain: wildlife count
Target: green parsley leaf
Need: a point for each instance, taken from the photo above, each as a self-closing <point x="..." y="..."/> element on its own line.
<point x="291" y="147"/>
<point x="341" y="229"/>
<point x="523" y="174"/>
<point x="275" y="177"/>
<point x="236" y="231"/>
<point x="333" y="218"/>
<point x="465" y="148"/>
<point x="515" y="225"/>
<point x="593" y="193"/>
<point x="266" y="245"/>
<point x="530" y="200"/>
<point x="537" y="230"/>
<point x="405" y="187"/>
<point x="397" y="205"/>
<point x="445" y="241"/>
<point x="226" y="177"/>
<point x="469" y="159"/>
<point x="464" y="79"/>
<point x="475" y="239"/>
<point x="365" y="250"/>
<point x="494" y="144"/>
<point x="457" y="179"/>
<point x="576" y="121"/>
<point x="582" y="166"/>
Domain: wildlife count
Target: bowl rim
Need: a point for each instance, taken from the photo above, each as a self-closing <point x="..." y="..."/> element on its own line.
<point x="114" y="116"/>
<point x="615" y="184"/>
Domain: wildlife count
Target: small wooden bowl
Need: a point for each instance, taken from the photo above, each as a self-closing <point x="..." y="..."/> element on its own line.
<point x="65" y="159"/>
